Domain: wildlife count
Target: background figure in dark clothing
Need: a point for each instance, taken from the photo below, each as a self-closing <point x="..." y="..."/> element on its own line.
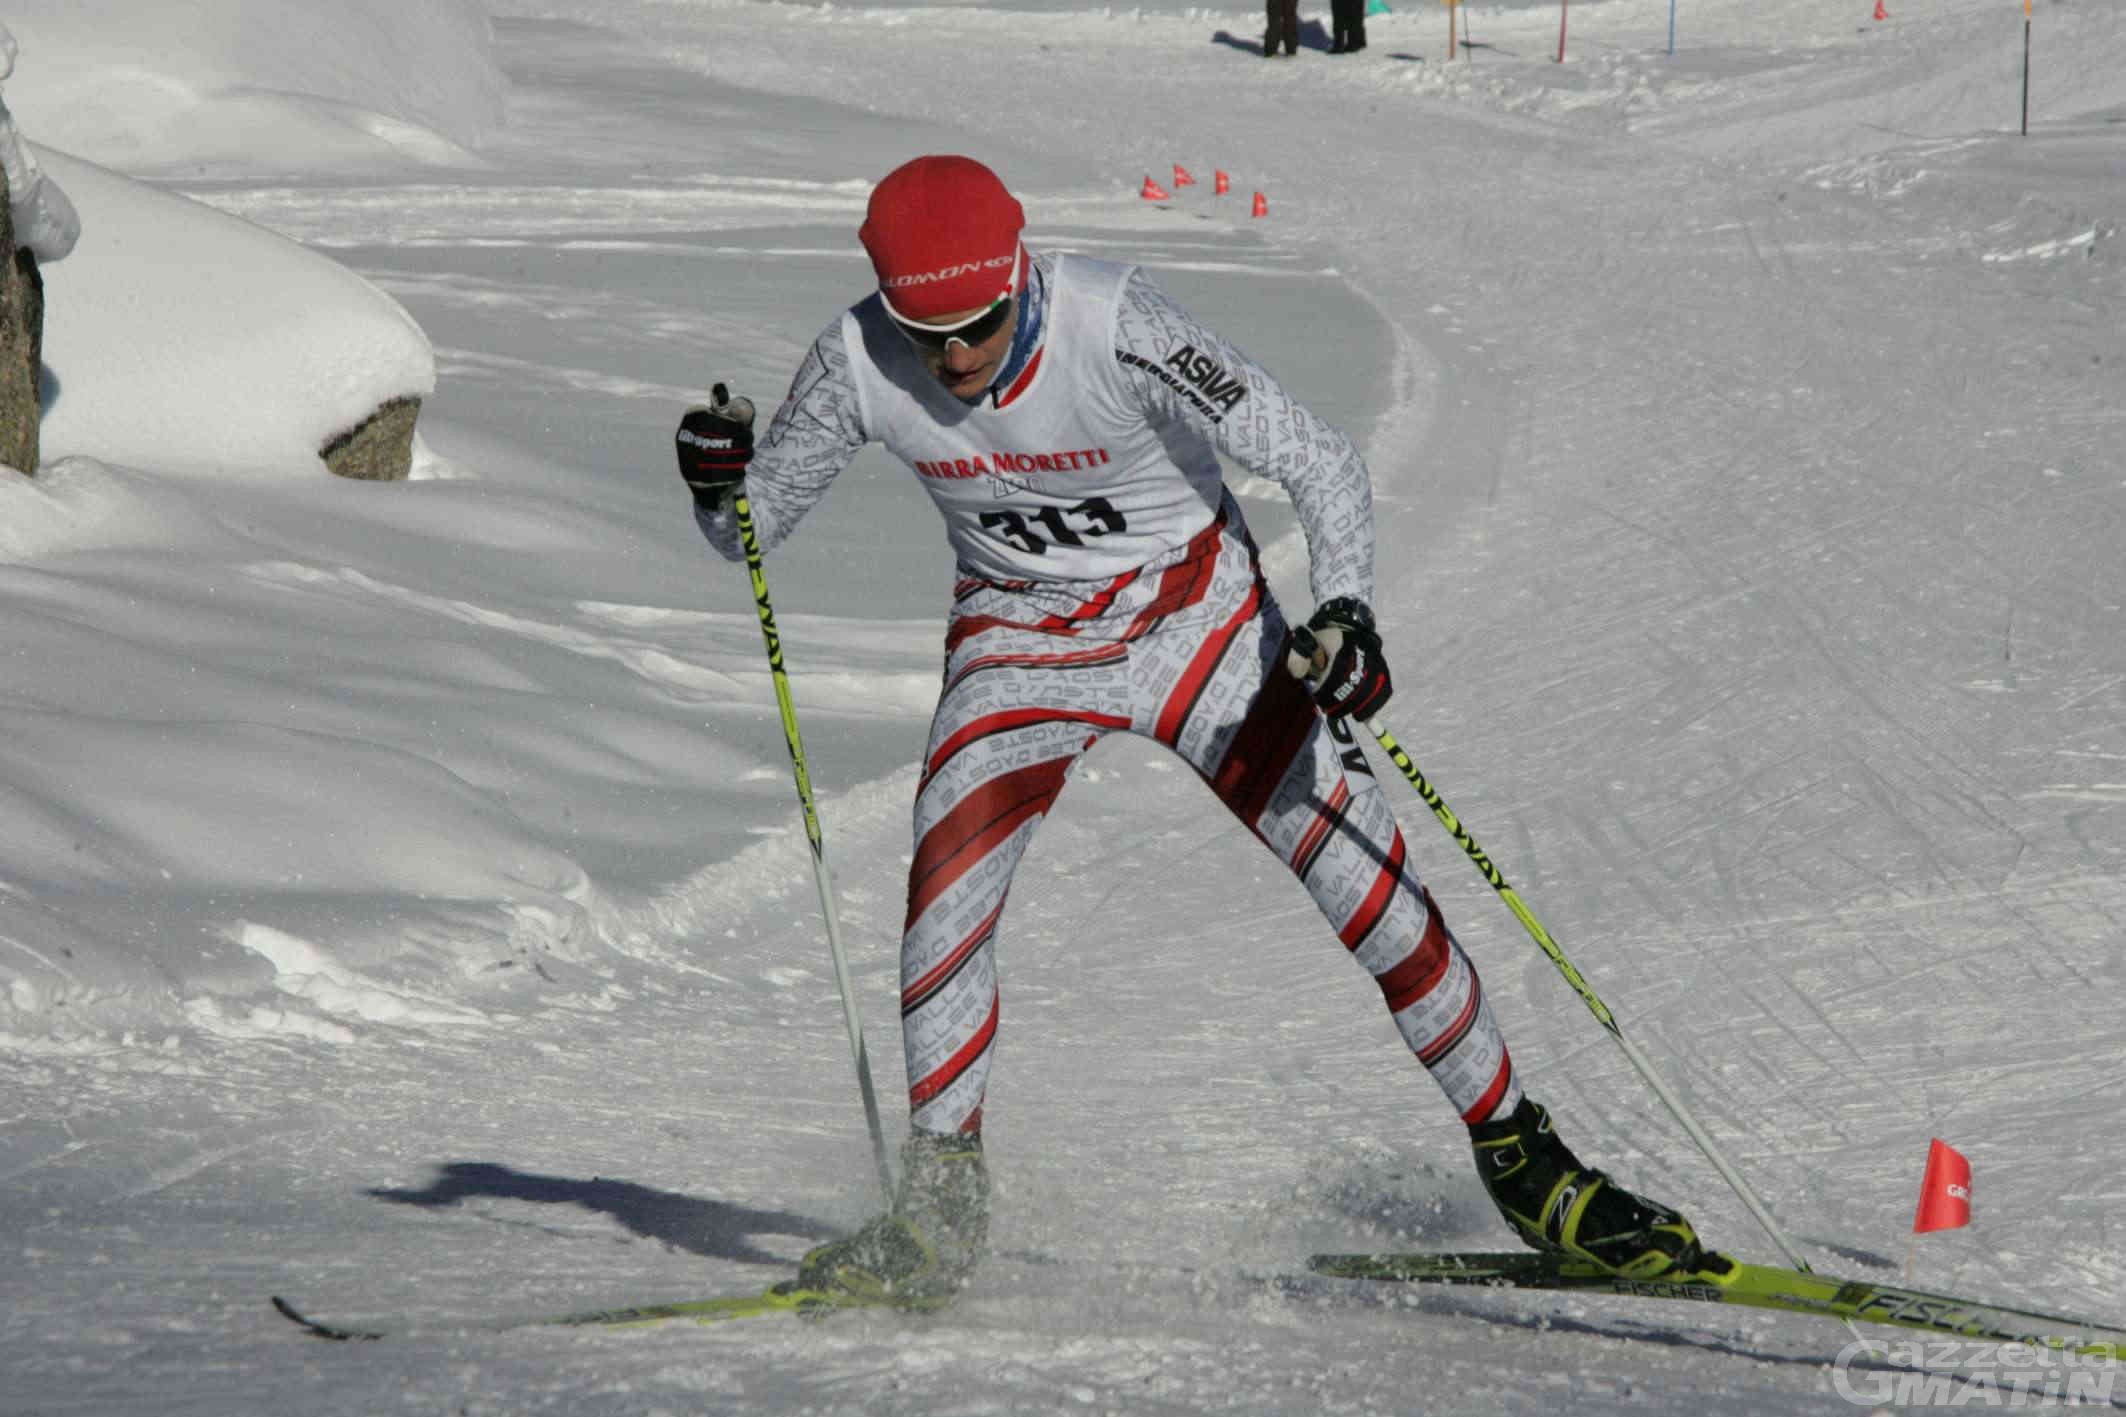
<point x="1349" y="18"/>
<point x="1284" y="27"/>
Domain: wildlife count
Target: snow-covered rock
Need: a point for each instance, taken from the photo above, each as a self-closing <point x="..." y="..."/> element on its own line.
<point x="37" y="223"/>
<point x="44" y="220"/>
<point x="284" y="349"/>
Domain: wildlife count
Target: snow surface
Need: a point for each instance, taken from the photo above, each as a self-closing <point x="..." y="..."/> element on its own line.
<point x="199" y="86"/>
<point x="402" y="904"/>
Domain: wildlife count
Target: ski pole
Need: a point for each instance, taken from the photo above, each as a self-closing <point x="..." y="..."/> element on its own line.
<point x="750" y="540"/>
<point x="1307" y="653"/>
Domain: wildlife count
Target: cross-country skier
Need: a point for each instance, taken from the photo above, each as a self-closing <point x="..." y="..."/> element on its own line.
<point x="1067" y="417"/>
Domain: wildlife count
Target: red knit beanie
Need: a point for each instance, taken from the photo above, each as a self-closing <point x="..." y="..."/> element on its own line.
<point x="943" y="236"/>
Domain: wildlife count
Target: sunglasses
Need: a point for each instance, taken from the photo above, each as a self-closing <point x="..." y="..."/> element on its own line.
<point x="937" y="339"/>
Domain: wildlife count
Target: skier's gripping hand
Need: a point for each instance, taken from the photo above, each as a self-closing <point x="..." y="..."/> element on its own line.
<point x="715" y="442"/>
<point x="1339" y="655"/>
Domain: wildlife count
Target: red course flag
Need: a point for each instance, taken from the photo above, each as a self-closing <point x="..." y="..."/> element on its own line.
<point x="1153" y="192"/>
<point x="1181" y="176"/>
<point x="1945" y="1191"/>
<point x="1225" y="183"/>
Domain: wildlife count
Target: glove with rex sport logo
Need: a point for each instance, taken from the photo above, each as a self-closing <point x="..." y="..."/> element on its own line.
<point x="715" y="442"/>
<point x="1339" y="655"/>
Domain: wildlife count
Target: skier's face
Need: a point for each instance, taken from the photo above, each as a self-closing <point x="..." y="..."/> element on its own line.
<point x="967" y="369"/>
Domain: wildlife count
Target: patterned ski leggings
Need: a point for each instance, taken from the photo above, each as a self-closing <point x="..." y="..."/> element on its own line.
<point x="1188" y="651"/>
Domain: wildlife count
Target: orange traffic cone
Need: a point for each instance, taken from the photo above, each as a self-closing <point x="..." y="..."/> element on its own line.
<point x="1153" y="192"/>
<point x="1225" y="183"/>
<point x="1881" y="12"/>
<point x="1181" y="176"/>
<point x="1262" y="205"/>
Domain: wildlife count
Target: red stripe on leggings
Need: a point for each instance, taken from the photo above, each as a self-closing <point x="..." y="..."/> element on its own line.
<point x="958" y="1063"/>
<point x="1488" y="1103"/>
<point x="1375" y="904"/>
<point x="913" y="995"/>
<point x="1317" y="834"/>
<point x="1010" y="719"/>
<point x="1421" y="973"/>
<point x="1075" y="659"/>
<point x="966" y="628"/>
<point x="1174" y="714"/>
<point x="1185" y="582"/>
<point x="975" y="826"/>
<point x="1441" y="1046"/>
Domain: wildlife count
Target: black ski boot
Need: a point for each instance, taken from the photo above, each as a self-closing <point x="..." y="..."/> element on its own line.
<point x="1558" y="1204"/>
<point x="922" y="1252"/>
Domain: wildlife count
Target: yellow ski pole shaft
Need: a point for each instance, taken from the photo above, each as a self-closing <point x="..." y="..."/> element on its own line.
<point x="1580" y="986"/>
<point x="749" y="539"/>
<point x="1307" y="654"/>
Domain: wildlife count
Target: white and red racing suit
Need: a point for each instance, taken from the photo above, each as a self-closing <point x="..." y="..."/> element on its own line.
<point x="1108" y="583"/>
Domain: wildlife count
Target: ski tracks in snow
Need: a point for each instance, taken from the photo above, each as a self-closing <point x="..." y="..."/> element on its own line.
<point x="702" y="657"/>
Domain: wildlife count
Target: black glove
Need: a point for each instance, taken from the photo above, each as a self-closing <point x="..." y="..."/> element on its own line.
<point x="1339" y="656"/>
<point x="715" y="443"/>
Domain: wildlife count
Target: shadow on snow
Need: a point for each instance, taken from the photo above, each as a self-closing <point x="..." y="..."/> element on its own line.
<point x="712" y="1228"/>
